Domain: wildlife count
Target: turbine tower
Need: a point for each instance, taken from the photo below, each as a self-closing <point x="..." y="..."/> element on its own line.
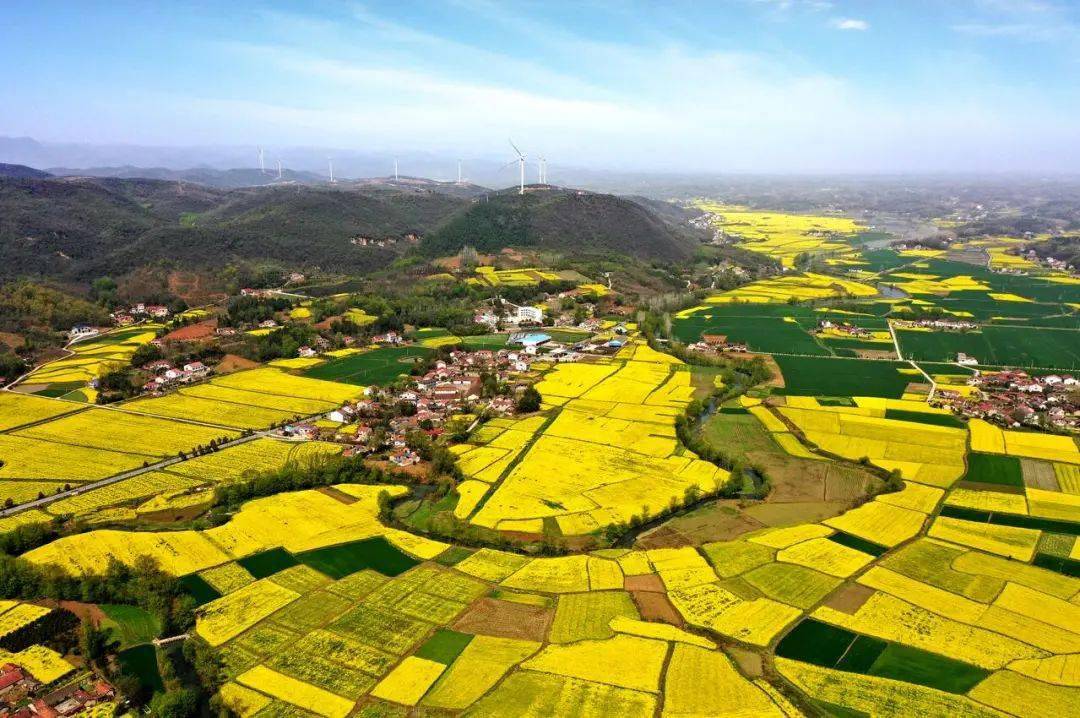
<point x="262" y="162"/>
<point x="331" y="161"/>
<point x="395" y="170"/>
<point x="279" y="169"/>
<point x="459" y="171"/>
<point x="521" y="166"/>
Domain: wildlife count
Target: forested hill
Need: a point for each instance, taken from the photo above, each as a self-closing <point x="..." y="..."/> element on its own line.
<point x="20" y="172"/>
<point x="79" y="228"/>
<point x="567" y="221"/>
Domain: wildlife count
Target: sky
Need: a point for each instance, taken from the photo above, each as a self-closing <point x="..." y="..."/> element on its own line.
<point x="770" y="86"/>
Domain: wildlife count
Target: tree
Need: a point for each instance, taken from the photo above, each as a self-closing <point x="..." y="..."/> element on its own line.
<point x="529" y="401"/>
<point x="94" y="642"/>
<point x="183" y="703"/>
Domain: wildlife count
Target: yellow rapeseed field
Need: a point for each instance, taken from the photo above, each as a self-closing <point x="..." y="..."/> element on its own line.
<point x="242" y="701"/>
<point x="625" y="661"/>
<point x="868" y="694"/>
<point x="892" y="619"/>
<point x="701" y="682"/>
<point x="297" y="693"/>
<point x="409" y="681"/>
<point x="479" y="667"/>
<point x="19" y="409"/>
<point x="45" y="664"/>
<point x="231" y="615"/>
<point x="1009" y="541"/>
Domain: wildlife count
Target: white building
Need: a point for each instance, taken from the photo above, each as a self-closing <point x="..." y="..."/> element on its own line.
<point x="529" y="314"/>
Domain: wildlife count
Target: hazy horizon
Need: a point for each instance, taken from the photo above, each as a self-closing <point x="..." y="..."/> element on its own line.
<point x="756" y="87"/>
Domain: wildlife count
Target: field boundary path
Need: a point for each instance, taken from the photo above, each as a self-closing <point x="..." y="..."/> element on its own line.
<point x="83" y="488"/>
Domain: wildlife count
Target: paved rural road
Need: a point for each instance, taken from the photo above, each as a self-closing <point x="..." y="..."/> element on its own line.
<point x="83" y="488"/>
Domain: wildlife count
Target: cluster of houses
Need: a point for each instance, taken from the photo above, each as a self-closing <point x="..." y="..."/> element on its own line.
<point x="717" y="344"/>
<point x="450" y="388"/>
<point x="1014" y="398"/>
<point x="167" y="376"/>
<point x="139" y="311"/>
<point x="22" y="696"/>
<point x="843" y="328"/>
<point x="948" y="325"/>
<point x="361" y="241"/>
<point x="1058" y="265"/>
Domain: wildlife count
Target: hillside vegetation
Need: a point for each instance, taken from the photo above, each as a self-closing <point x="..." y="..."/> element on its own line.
<point x="563" y="221"/>
<point x="78" y="228"/>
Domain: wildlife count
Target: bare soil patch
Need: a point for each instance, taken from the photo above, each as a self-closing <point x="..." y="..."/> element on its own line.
<point x="645" y="582"/>
<point x="492" y="617"/>
<point x="718" y="521"/>
<point x="875" y="353"/>
<point x="661" y="537"/>
<point x="1039" y="475"/>
<point x="656" y="607"/>
<point x="11" y="341"/>
<point x="749" y="662"/>
<point x="85" y="611"/>
<point x="795" y="512"/>
<point x="337" y="495"/>
<point x="232" y="362"/>
<point x="200" y="331"/>
<point x="850" y="598"/>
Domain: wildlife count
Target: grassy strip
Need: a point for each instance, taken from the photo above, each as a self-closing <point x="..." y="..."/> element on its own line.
<point x="923" y="417"/>
<point x="1017" y="520"/>
<point x="857" y="543"/>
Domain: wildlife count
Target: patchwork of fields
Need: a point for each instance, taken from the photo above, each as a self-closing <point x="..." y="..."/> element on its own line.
<point x="604" y="449"/>
<point x="49" y="444"/>
<point x="958" y="594"/>
<point x="90" y="358"/>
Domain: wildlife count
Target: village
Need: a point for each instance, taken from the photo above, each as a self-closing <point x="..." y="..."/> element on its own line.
<point x="24" y="696"/>
<point x="1012" y="398"/>
<point x="450" y="396"/>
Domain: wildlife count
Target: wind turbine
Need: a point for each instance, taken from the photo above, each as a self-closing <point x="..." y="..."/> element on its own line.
<point x="395" y="170"/>
<point x="459" y="171"/>
<point x="543" y="170"/>
<point x="331" y="161"/>
<point x="521" y="166"/>
<point x="279" y="169"/>
<point x="262" y="162"/>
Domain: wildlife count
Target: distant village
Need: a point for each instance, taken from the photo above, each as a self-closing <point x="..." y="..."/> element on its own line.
<point x="1013" y="399"/>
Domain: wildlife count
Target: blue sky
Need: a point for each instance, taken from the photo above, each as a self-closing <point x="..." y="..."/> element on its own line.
<point x="737" y="85"/>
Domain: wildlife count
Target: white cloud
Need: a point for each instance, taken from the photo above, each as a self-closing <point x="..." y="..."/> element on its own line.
<point x="850" y="23"/>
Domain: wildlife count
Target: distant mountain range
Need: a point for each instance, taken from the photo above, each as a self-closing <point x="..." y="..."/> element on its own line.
<point x="78" y="228"/>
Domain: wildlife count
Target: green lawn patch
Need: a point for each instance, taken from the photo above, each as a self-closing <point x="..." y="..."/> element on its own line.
<point x="485" y="341"/>
<point x="818" y="376"/>
<point x="130" y="625"/>
<point x="267" y="563"/>
<point x="375" y="553"/>
<point x="141" y="662"/>
<point x="379" y="366"/>
<point x="815" y="642"/>
<point x="904" y="663"/>
<point x="197" y="587"/>
<point x="453" y="555"/>
<point x="859" y="544"/>
<point x="924" y="417"/>
<point x="861" y="654"/>
<point x="994" y="469"/>
<point x="444" y="646"/>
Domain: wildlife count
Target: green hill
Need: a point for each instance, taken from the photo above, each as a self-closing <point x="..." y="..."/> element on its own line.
<point x="79" y="228"/>
<point x="567" y="221"/>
